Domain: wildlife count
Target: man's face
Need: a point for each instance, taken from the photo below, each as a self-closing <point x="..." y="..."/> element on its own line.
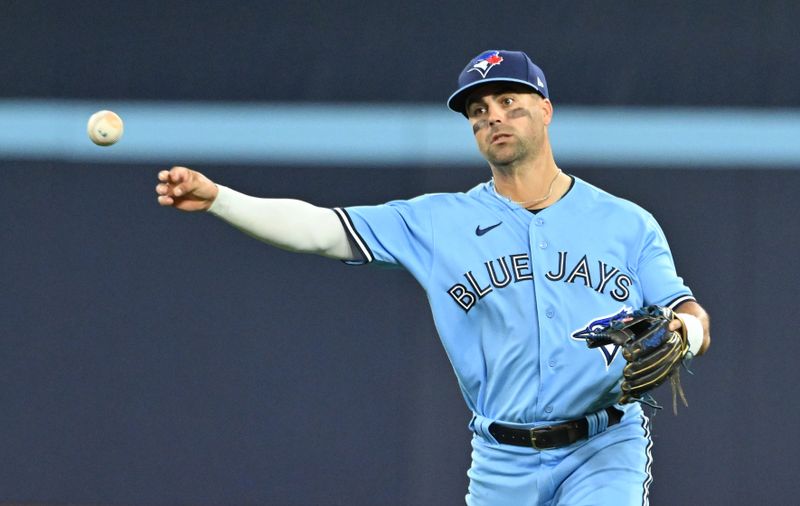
<point x="509" y="122"/>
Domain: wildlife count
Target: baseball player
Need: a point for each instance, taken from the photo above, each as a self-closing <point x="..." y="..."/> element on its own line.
<point x="516" y="270"/>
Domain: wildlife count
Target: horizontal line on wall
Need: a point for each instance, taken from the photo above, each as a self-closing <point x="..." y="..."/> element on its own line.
<point x="168" y="133"/>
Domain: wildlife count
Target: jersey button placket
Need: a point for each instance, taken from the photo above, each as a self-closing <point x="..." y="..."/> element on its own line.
<point x="540" y="246"/>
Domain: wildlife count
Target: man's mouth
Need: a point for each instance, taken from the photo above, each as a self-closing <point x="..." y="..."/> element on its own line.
<point x="499" y="137"/>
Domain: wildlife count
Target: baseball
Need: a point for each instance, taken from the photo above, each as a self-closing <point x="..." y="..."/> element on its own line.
<point x="104" y="128"/>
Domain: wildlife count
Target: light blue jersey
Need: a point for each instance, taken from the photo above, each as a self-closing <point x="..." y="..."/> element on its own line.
<point x="509" y="288"/>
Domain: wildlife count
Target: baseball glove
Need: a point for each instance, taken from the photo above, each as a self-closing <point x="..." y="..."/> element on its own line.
<point x="653" y="352"/>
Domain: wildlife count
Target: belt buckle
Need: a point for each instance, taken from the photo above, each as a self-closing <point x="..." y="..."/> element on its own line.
<point x="536" y="436"/>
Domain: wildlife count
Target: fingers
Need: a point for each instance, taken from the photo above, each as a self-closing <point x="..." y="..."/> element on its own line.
<point x="163" y="195"/>
<point x="174" y="175"/>
<point x="165" y="200"/>
<point x="185" y="189"/>
<point x="675" y="324"/>
<point x="173" y="183"/>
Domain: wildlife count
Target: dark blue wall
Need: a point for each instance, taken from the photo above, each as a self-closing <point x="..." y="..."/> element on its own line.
<point x="623" y="52"/>
<point x="154" y="357"/>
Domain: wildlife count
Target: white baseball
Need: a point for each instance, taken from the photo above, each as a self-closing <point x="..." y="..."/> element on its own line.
<point x="104" y="128"/>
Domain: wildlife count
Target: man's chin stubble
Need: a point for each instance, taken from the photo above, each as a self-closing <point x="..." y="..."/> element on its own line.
<point x="505" y="162"/>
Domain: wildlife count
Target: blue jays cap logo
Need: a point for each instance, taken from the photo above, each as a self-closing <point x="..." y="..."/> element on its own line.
<point x="484" y="63"/>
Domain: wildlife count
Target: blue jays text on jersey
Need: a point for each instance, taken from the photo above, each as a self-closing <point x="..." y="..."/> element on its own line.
<point x="509" y="289"/>
<point x="498" y="274"/>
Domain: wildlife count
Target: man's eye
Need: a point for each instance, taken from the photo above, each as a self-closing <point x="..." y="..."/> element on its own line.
<point x="478" y="110"/>
<point x="508" y="101"/>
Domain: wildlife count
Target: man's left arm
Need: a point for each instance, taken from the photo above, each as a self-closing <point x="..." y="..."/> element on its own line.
<point x="661" y="285"/>
<point x="692" y="309"/>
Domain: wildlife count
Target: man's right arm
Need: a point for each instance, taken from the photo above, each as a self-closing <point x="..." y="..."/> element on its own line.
<point x="289" y="224"/>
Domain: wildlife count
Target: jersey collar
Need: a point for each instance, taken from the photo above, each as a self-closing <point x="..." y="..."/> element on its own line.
<point x="490" y="187"/>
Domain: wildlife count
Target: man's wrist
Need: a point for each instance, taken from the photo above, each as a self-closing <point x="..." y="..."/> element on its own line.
<point x="220" y="201"/>
<point x="693" y="330"/>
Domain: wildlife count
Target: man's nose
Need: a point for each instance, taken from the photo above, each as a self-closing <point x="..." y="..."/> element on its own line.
<point x="494" y="115"/>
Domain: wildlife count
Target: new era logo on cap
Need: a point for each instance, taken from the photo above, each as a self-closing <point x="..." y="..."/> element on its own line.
<point x="497" y="65"/>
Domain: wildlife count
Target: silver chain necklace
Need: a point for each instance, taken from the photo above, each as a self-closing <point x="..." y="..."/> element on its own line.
<point x="528" y="203"/>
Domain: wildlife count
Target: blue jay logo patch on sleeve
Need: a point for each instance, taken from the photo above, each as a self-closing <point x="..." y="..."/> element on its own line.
<point x="609" y="351"/>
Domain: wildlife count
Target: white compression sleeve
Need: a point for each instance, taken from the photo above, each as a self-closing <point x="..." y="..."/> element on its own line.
<point x="285" y="223"/>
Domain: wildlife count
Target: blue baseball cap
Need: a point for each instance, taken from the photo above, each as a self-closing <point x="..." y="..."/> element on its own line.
<point x="493" y="66"/>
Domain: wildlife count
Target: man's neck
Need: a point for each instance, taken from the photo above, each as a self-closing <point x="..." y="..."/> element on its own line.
<point x="530" y="182"/>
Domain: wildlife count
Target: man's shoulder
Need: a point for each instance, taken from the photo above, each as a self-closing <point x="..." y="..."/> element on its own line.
<point x="597" y="196"/>
<point x="474" y="195"/>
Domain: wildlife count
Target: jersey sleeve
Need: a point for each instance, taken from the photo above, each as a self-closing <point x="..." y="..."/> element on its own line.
<point x="397" y="233"/>
<point x="661" y="284"/>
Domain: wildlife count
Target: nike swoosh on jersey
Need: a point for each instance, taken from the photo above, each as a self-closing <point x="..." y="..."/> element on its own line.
<point x="480" y="231"/>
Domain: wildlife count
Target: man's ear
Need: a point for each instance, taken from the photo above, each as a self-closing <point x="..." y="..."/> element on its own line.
<point x="547" y="110"/>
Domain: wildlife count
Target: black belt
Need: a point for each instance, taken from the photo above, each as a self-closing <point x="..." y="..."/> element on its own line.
<point x="552" y="436"/>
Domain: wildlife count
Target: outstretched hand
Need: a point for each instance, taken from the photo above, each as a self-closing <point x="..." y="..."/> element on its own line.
<point x="185" y="189"/>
